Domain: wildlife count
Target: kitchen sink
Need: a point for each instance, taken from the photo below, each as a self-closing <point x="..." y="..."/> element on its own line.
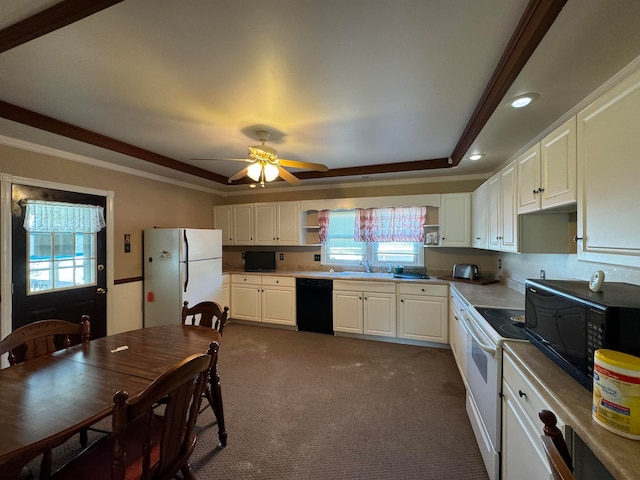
<point x="363" y="275"/>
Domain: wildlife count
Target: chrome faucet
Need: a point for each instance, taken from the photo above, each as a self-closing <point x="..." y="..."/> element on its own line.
<point x="367" y="265"/>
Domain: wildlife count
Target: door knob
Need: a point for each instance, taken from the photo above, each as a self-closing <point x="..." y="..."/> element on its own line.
<point x="101" y="291"/>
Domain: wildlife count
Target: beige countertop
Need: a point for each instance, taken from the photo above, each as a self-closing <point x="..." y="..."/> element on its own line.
<point x="572" y="403"/>
<point x="491" y="295"/>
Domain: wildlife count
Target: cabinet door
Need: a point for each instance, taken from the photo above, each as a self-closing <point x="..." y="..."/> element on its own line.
<point x="608" y="171"/>
<point x="479" y="217"/>
<point x="508" y="209"/>
<point x="528" y="192"/>
<point x="223" y="220"/>
<point x="347" y="311"/>
<point x="558" y="166"/>
<point x="243" y="224"/>
<point x="245" y="302"/>
<point x="265" y="224"/>
<point x="279" y="305"/>
<point x="455" y="219"/>
<point x="521" y="459"/>
<point x="493" y="211"/>
<point x="422" y="318"/>
<point x="379" y="314"/>
<point x="288" y="223"/>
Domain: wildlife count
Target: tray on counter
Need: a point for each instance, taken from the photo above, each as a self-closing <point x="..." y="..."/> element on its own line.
<point x="480" y="281"/>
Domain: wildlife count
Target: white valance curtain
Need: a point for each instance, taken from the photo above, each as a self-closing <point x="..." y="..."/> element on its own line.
<point x="47" y="217"/>
<point x="398" y="224"/>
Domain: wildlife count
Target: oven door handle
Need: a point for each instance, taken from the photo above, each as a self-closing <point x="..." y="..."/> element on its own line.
<point x="471" y="330"/>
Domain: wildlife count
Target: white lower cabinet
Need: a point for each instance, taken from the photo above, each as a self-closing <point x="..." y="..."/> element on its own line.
<point x="423" y="312"/>
<point x="523" y="455"/>
<point x="268" y="299"/>
<point x="364" y="307"/>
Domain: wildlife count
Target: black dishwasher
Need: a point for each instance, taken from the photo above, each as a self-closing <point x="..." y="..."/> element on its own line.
<point x="314" y="305"/>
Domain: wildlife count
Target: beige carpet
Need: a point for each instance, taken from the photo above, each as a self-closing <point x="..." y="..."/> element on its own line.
<point x="304" y="405"/>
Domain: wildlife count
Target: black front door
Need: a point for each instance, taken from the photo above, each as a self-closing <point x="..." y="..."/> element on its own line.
<point x="60" y="275"/>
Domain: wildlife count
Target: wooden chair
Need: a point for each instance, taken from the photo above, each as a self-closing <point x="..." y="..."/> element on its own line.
<point x="556" y="448"/>
<point x="146" y="443"/>
<point x="41" y="338"/>
<point x="207" y="312"/>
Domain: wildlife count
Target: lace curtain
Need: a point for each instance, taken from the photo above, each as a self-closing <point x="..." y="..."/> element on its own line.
<point x="400" y="224"/>
<point x="47" y="217"/>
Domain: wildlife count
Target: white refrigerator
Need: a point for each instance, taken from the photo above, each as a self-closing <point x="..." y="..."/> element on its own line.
<point x="179" y="264"/>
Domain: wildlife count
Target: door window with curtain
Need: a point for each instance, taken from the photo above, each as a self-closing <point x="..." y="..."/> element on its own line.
<point x="383" y="236"/>
<point x="61" y="245"/>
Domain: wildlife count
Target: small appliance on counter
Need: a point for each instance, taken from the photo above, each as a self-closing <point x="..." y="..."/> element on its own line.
<point x="466" y="271"/>
<point x="568" y="322"/>
<point x="260" y="261"/>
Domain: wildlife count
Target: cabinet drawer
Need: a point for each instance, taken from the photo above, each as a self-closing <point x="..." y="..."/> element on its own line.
<point x="357" y="286"/>
<point x="423" y="289"/>
<point x="525" y="395"/>
<point x="278" y="281"/>
<point x="246" y="279"/>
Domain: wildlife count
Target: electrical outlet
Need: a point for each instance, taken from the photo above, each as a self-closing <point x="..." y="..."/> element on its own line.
<point x="543" y="274"/>
<point x="282" y="256"/>
<point x="243" y="255"/>
<point x="499" y="264"/>
<point x="316" y="258"/>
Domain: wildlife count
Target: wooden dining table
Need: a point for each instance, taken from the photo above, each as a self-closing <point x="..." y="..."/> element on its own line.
<point x="45" y="401"/>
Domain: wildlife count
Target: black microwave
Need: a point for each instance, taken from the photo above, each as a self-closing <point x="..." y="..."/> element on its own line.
<point x="260" y="261"/>
<point x="568" y="322"/>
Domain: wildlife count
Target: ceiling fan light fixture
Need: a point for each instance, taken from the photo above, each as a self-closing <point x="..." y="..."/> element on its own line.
<point x="476" y="156"/>
<point x="270" y="172"/>
<point x="253" y="171"/>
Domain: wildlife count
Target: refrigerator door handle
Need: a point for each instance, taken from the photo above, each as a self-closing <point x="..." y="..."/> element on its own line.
<point x="186" y="259"/>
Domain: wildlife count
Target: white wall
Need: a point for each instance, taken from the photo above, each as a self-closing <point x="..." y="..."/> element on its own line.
<point x="127" y="307"/>
<point x="519" y="267"/>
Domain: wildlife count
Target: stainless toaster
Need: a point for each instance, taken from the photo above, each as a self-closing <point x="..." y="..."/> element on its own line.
<point x="466" y="270"/>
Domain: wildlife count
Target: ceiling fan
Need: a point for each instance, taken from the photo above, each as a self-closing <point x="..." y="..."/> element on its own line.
<point x="266" y="166"/>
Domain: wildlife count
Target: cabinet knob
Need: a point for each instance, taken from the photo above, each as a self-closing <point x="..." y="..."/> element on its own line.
<point x="422" y="289"/>
<point x="576" y="238"/>
<point x="522" y="394"/>
<point x="402" y="300"/>
<point x="540" y="190"/>
<point x="535" y="191"/>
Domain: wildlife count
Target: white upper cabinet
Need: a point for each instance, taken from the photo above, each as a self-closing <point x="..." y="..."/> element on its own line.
<point x="265" y="223"/>
<point x="243" y="224"/>
<point x="493" y="211"/>
<point x="558" y="161"/>
<point x="455" y="220"/>
<point x="529" y="180"/>
<point x="288" y="223"/>
<point x="223" y="220"/>
<point x="547" y="171"/>
<point x="479" y="217"/>
<point x="508" y="210"/>
<point x="608" y="173"/>
<point x="277" y="223"/>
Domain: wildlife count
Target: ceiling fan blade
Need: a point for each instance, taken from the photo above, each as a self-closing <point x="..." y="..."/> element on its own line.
<point x="222" y="159"/>
<point x="306" y="165"/>
<point x="288" y="177"/>
<point x="238" y="175"/>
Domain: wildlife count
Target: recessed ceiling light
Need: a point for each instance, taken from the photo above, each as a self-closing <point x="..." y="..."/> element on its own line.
<point x="476" y="156"/>
<point x="523" y="100"/>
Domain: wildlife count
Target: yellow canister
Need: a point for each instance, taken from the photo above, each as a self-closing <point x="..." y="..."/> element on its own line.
<point x="616" y="392"/>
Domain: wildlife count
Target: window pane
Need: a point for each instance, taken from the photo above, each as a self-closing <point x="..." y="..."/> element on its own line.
<point x="61" y="261"/>
<point x="63" y="245"/>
